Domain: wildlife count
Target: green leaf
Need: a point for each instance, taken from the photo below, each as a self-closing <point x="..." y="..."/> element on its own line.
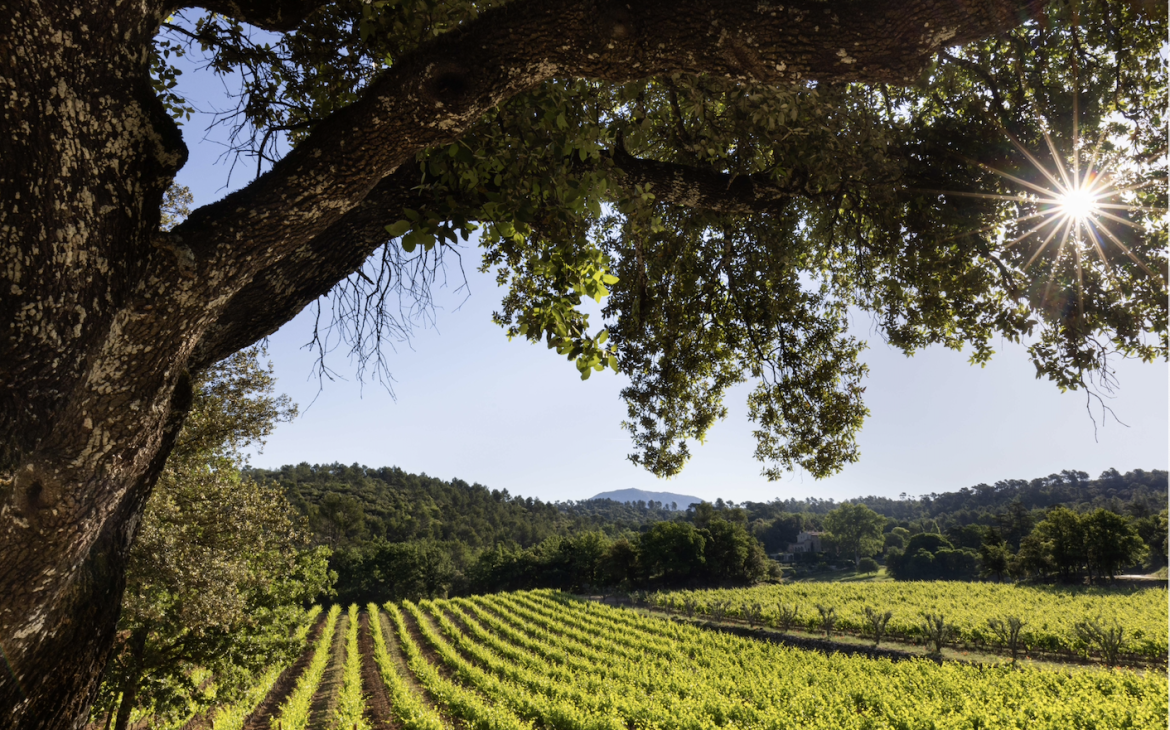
<point x="398" y="229"/>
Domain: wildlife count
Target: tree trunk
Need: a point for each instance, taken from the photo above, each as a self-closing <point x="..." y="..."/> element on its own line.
<point x="133" y="679"/>
<point x="89" y="361"/>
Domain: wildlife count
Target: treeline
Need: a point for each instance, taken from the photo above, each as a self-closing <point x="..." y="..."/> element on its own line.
<point x="667" y="555"/>
<point x="347" y="505"/>
<point x="399" y="535"/>
<point x="1010" y="509"/>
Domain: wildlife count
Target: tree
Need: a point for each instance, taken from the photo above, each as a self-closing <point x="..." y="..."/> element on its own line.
<point x="671" y="552"/>
<point x="1062" y="536"/>
<point x="994" y="557"/>
<point x="1111" y="543"/>
<point x="731" y="554"/>
<point x="219" y="572"/>
<point x="1152" y="530"/>
<point x="745" y="187"/>
<point x="857" y="529"/>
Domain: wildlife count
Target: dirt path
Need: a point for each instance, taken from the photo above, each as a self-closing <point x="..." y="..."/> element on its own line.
<point x="328" y="692"/>
<point x="412" y="683"/>
<point x="378" y="711"/>
<point x="261" y="717"/>
<point x="429" y="653"/>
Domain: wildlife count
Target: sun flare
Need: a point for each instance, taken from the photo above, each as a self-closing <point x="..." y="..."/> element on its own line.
<point x="1078" y="204"/>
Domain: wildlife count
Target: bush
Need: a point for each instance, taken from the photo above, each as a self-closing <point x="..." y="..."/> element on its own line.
<point x="867" y="565"/>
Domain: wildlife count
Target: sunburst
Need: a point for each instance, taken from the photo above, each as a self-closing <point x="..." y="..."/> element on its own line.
<point x="1074" y="208"/>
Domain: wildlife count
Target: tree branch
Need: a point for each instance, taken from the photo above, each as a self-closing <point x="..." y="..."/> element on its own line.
<point x="434" y="95"/>
<point x="275" y="15"/>
<point x="694" y="187"/>
<point x="280" y="292"/>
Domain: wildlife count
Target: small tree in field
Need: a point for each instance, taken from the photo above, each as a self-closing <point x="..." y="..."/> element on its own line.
<point x="717" y="610"/>
<point x="1107" y="638"/>
<point x="787" y="617"/>
<point x="936" y="631"/>
<point x="752" y="613"/>
<point x="875" y="623"/>
<point x="828" y="619"/>
<point x="1007" y="633"/>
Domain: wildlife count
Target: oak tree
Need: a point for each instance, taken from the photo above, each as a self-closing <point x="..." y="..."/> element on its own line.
<point x="734" y="175"/>
<point x="856" y="529"/>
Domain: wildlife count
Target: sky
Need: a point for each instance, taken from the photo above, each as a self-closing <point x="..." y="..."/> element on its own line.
<point x="511" y="415"/>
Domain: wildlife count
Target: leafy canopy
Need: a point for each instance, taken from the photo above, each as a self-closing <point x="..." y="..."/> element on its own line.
<point x="731" y="228"/>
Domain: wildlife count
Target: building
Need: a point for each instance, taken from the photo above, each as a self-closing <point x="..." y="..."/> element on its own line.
<point x="806" y="542"/>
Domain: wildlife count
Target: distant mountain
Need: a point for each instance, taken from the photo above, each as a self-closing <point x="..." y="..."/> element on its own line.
<point x="641" y="495"/>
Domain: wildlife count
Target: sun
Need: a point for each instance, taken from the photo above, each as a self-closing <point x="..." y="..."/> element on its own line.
<point x="1079" y="204"/>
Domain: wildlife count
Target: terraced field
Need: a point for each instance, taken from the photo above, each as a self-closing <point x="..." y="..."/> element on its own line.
<point x="531" y="660"/>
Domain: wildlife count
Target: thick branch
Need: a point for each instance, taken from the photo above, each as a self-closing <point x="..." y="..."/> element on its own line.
<point x="280" y="292"/>
<point x="694" y="187"/>
<point x="435" y="95"/>
<point x="277" y="15"/>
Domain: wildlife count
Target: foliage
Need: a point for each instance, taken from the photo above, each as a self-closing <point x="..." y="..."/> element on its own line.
<point x="1111" y="543"/>
<point x="856" y="529"/>
<point x="930" y="556"/>
<point x="294" y="711"/>
<point x="867" y="565"/>
<point x="876" y="623"/>
<point x="1007" y="633"/>
<point x="878" y="198"/>
<point x="231" y="716"/>
<point x="1108" y="638"/>
<point x="936" y="631"/>
<point x="787" y="616"/>
<point x="1066" y="543"/>
<point x="218" y="573"/>
<point x="351" y="704"/>
<point x="408" y="707"/>
<point x="828" y="619"/>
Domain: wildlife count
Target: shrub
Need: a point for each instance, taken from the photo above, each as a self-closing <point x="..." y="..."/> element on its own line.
<point x="867" y="565"/>
<point x="787" y="617"/>
<point x="1007" y="632"/>
<point x="828" y="619"/>
<point x="875" y="624"/>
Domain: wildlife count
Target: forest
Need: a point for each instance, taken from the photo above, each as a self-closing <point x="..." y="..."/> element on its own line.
<point x="401" y="536"/>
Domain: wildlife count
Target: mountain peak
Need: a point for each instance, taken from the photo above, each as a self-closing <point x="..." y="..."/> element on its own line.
<point x="641" y="495"/>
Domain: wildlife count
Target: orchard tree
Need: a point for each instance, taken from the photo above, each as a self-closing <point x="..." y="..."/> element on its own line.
<point x="733" y="174"/>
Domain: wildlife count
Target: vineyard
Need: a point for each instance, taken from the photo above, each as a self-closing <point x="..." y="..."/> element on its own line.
<point x="524" y="661"/>
<point x="1050" y="614"/>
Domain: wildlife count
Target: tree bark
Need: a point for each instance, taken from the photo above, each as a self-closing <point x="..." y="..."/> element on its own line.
<point x="102" y="315"/>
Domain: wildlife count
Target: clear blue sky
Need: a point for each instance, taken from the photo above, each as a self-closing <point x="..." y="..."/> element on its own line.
<point x="512" y="415"/>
